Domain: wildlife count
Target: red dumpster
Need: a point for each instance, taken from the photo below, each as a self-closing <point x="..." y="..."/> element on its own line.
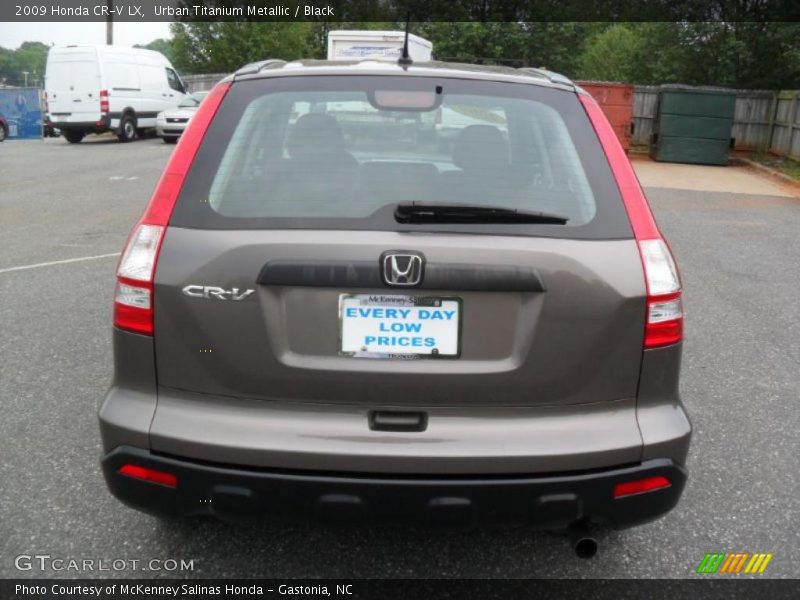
<point x="616" y="100"/>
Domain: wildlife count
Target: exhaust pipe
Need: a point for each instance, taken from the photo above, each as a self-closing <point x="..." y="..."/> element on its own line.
<point x="585" y="545"/>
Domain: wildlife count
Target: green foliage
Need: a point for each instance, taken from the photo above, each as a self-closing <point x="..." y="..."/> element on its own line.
<point x="220" y="47"/>
<point x="740" y="55"/>
<point x="161" y="45"/>
<point x="556" y="46"/>
<point x="30" y="57"/>
<point x="735" y="54"/>
<point x="610" y="55"/>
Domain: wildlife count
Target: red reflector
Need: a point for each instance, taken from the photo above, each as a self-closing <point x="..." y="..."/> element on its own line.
<point x="149" y="475"/>
<point x="629" y="488"/>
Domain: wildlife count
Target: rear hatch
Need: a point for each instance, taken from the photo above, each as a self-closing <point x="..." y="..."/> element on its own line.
<point x="310" y="258"/>
<point x="72" y="82"/>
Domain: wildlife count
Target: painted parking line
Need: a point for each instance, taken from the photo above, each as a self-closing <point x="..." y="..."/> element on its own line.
<point x="58" y="262"/>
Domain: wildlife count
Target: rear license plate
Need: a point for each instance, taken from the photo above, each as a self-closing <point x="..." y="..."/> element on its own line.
<point x="378" y="326"/>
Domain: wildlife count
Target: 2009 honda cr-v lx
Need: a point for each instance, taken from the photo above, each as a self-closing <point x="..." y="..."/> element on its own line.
<point x="384" y="290"/>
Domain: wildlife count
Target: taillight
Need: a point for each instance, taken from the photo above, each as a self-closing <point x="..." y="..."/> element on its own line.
<point x="46" y="105"/>
<point x="104" y="101"/>
<point x="149" y="475"/>
<point x="664" y="323"/>
<point x="133" y="297"/>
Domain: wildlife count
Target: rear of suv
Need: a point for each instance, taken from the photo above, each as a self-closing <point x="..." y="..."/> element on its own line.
<point x="385" y="291"/>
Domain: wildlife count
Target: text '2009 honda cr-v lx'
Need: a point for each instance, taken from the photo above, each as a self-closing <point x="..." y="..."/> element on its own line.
<point x="385" y="290"/>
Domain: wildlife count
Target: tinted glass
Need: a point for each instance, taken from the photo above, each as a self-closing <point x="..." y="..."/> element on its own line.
<point x="174" y="81"/>
<point x="343" y="151"/>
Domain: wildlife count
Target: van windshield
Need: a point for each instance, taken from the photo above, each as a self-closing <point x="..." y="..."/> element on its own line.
<point x="193" y="100"/>
<point x="356" y="149"/>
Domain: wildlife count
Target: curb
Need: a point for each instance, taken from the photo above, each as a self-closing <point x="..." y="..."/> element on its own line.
<point x="769" y="171"/>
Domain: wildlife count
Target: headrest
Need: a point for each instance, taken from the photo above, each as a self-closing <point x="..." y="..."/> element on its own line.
<point x="315" y="134"/>
<point x="480" y="147"/>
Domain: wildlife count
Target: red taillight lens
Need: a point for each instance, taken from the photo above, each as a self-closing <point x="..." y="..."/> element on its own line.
<point x="664" y="323"/>
<point x="104" y="101"/>
<point x="149" y="475"/>
<point x="133" y="298"/>
<point x="133" y="309"/>
<point x="640" y="486"/>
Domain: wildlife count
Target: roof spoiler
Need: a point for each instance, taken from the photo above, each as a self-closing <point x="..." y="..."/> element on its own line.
<point x="256" y="67"/>
<point x="550" y="76"/>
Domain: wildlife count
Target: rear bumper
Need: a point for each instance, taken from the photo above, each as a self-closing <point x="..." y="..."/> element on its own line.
<point x="100" y="126"/>
<point x="551" y="501"/>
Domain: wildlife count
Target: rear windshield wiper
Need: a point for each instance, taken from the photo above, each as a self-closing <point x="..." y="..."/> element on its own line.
<point x="416" y="212"/>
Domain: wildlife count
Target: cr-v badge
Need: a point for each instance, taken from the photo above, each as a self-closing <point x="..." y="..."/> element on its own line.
<point x="210" y="291"/>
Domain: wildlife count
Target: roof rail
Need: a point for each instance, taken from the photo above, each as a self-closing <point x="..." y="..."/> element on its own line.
<point x="255" y="67"/>
<point x="549" y="75"/>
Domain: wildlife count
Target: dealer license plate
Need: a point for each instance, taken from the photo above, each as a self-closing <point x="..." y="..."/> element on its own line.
<point x="394" y="326"/>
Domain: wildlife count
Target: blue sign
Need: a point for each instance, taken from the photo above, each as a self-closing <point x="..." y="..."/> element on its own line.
<point x="22" y="112"/>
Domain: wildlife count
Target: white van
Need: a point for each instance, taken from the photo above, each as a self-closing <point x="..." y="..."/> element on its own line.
<point x="95" y="89"/>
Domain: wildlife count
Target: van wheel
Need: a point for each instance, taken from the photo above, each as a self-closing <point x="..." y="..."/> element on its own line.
<point x="73" y="137"/>
<point x="3" y="132"/>
<point x="127" y="129"/>
<point x="169" y="140"/>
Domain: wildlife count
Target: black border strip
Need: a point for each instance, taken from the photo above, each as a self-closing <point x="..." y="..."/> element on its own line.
<point x="396" y="10"/>
<point x="365" y="274"/>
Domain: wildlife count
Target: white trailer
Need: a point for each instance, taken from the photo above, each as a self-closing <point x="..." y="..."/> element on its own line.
<point x="378" y="45"/>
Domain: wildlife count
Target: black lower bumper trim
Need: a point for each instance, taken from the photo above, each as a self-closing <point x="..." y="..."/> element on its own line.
<point x="100" y="126"/>
<point x="548" y="502"/>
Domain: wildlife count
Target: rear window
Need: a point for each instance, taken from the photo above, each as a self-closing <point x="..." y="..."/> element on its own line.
<point x="342" y="152"/>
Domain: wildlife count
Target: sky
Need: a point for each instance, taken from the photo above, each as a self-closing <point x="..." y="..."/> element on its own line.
<point x="125" y="34"/>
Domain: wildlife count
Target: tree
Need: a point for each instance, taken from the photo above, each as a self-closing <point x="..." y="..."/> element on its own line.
<point x="161" y="45"/>
<point x="558" y="46"/>
<point x="736" y="54"/>
<point x="30" y="57"/>
<point x="610" y="55"/>
<point x="219" y="47"/>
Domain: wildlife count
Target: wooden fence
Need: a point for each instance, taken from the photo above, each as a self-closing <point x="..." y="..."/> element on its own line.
<point x="763" y="120"/>
<point x="202" y="83"/>
<point x="785" y="138"/>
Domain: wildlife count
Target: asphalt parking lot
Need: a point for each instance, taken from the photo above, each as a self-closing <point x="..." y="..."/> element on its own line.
<point x="740" y="259"/>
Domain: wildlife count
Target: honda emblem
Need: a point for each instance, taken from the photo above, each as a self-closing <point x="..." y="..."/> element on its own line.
<point x="402" y="269"/>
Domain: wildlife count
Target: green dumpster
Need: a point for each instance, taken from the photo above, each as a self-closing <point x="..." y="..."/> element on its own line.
<point x="693" y="125"/>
